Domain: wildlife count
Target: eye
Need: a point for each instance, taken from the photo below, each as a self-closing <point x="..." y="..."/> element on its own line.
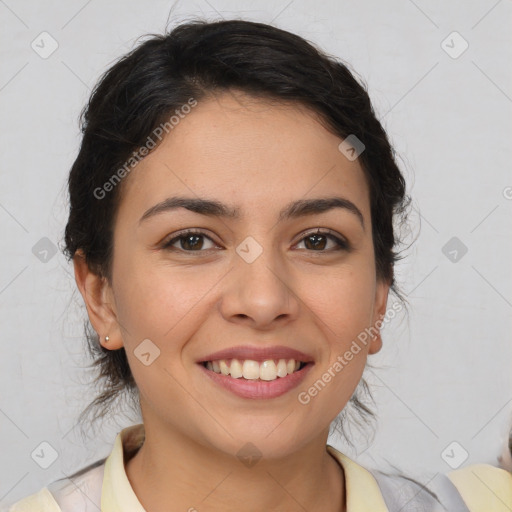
<point x="189" y="241"/>
<point x="193" y="240"/>
<point x="317" y="241"/>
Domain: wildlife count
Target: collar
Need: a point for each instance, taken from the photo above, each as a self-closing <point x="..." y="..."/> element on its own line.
<point x="117" y="494"/>
<point x="361" y="488"/>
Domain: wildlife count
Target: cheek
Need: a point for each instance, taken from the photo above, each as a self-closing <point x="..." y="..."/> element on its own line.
<point x="157" y="301"/>
<point x="342" y="306"/>
<point x="162" y="304"/>
<point x="342" y="299"/>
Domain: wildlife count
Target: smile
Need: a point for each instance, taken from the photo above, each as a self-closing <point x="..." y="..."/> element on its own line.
<point x="249" y="369"/>
<point x="256" y="380"/>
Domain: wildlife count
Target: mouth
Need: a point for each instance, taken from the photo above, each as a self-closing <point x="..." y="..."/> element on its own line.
<point x="248" y="369"/>
<point x="256" y="380"/>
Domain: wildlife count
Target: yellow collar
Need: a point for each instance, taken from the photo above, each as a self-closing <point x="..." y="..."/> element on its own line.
<point x="362" y="490"/>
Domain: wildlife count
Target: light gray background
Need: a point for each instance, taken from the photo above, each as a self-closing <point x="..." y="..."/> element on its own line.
<point x="445" y="371"/>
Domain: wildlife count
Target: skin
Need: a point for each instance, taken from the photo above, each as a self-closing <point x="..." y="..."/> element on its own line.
<point x="248" y="153"/>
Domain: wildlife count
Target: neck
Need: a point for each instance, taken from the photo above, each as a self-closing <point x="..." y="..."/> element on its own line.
<point x="176" y="469"/>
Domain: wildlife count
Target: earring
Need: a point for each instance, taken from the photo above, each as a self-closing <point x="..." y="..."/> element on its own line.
<point x="106" y="339"/>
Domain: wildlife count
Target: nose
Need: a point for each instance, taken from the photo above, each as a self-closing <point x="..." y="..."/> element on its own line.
<point x="259" y="294"/>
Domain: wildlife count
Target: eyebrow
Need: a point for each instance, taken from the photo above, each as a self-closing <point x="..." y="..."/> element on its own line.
<point x="213" y="208"/>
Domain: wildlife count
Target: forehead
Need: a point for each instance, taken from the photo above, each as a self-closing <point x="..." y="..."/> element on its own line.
<point x="248" y="152"/>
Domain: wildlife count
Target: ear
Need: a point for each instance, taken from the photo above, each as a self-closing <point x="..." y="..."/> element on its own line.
<point x="99" y="300"/>
<point x="381" y="300"/>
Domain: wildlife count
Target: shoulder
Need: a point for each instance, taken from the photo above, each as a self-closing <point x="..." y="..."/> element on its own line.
<point x="404" y="493"/>
<point x="41" y="501"/>
<point x="484" y="487"/>
<point x="80" y="492"/>
<point x="392" y="492"/>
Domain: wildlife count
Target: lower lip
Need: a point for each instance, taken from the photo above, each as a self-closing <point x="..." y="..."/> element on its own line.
<point x="258" y="389"/>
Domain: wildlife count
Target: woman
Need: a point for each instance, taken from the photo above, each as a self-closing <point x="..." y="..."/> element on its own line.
<point x="231" y="229"/>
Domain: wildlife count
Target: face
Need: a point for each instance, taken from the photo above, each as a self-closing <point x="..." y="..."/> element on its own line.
<point x="299" y="278"/>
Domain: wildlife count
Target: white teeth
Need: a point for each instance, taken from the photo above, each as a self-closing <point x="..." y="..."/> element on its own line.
<point x="268" y="370"/>
<point x="250" y="370"/>
<point x="224" y="368"/>
<point x="281" y="368"/>
<point x="235" y="369"/>
<point x="253" y="370"/>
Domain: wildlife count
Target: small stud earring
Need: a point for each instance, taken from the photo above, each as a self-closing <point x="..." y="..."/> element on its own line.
<point x="106" y="339"/>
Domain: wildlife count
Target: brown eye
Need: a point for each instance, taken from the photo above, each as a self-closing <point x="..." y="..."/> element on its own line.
<point x="318" y="241"/>
<point x="189" y="241"/>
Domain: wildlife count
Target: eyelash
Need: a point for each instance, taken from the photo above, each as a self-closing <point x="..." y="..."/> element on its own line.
<point x="342" y="244"/>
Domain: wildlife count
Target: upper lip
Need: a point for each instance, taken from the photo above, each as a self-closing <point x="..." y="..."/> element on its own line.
<point x="259" y="354"/>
